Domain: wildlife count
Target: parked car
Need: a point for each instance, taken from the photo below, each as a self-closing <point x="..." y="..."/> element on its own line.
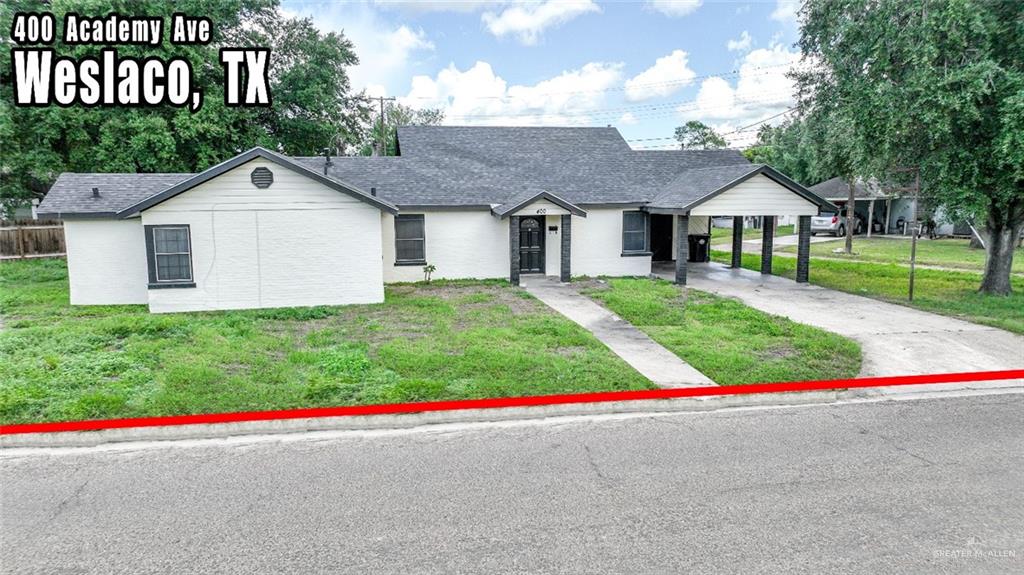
<point x="835" y="223"/>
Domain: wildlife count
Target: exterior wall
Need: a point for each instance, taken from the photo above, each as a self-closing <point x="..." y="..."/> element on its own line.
<point x="460" y="244"/>
<point x="597" y="246"/>
<point x="296" y="243"/>
<point x="758" y="196"/>
<point x="106" y="261"/>
<point x="901" y="207"/>
<point x="553" y="246"/>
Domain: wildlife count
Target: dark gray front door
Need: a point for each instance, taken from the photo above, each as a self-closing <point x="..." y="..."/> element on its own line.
<point x="531" y="246"/>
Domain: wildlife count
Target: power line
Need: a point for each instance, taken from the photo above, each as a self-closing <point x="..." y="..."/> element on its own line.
<point x="645" y="110"/>
<point x="755" y="124"/>
<point x="761" y="70"/>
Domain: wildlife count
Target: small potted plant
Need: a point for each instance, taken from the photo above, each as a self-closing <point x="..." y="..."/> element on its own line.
<point x="427" y="270"/>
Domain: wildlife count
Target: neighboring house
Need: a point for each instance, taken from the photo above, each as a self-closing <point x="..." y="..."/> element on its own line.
<point x="265" y="230"/>
<point x="890" y="213"/>
<point x="871" y="204"/>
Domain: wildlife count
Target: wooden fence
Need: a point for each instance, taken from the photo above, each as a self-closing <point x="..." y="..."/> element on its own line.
<point x="20" y="239"/>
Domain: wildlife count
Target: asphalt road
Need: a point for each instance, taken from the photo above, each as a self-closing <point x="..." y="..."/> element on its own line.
<point x="898" y="487"/>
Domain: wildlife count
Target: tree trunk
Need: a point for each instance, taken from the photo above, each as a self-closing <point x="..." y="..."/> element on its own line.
<point x="999" y="256"/>
<point x="849" y="218"/>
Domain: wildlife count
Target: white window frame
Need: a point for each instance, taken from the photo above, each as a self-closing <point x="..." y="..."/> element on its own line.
<point x="157" y="254"/>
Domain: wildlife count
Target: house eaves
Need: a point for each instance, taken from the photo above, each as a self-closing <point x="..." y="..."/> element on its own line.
<point x="244" y="158"/>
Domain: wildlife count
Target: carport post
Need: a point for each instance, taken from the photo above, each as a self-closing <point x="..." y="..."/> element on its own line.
<point x="682" y="247"/>
<point x="737" y="241"/>
<point x="767" y="241"/>
<point x="513" y="250"/>
<point x="566" y="272"/>
<point x="871" y="216"/>
<point x="803" y="250"/>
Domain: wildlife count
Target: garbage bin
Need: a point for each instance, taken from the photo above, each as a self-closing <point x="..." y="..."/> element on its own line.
<point x="700" y="248"/>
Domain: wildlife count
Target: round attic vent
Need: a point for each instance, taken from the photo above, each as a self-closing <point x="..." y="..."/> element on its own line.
<point x="262" y="177"/>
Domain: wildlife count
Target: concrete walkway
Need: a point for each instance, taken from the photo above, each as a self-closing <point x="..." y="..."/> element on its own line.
<point x="895" y="340"/>
<point x="653" y="361"/>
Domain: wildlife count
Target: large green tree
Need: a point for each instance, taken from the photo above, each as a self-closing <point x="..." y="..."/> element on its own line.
<point x="932" y="84"/>
<point x="789" y="148"/>
<point x="696" y="135"/>
<point x="311" y="108"/>
<point x="395" y="116"/>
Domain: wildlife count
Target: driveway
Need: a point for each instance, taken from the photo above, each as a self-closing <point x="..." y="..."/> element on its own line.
<point x="895" y="340"/>
<point x="753" y="246"/>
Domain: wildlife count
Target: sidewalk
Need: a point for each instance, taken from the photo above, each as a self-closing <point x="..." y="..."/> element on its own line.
<point x="653" y="361"/>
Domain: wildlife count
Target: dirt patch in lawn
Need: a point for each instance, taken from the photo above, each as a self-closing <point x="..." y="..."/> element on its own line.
<point x="778" y="352"/>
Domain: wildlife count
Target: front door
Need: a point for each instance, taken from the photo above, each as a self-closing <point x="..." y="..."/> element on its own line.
<point x="661" y="237"/>
<point x="531" y="246"/>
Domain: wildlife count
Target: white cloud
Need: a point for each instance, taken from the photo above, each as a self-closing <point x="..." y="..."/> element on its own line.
<point x="528" y="21"/>
<point x="762" y="89"/>
<point x="627" y="119"/>
<point x="667" y="75"/>
<point x="786" y="11"/>
<point x="434" y="5"/>
<point x="740" y="44"/>
<point x="385" y="50"/>
<point x="674" y="8"/>
<point x="479" y="96"/>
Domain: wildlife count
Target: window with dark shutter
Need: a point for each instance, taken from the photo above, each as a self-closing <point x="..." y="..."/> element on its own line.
<point x="410" y="240"/>
<point x="169" y="255"/>
<point x="634" y="232"/>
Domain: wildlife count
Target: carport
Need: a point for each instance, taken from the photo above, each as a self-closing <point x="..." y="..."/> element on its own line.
<point x="869" y="202"/>
<point x="737" y="191"/>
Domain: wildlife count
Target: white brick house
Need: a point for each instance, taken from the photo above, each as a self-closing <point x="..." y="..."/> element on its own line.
<point x="266" y="230"/>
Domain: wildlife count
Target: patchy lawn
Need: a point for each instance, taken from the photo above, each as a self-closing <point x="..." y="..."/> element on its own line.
<point x="748" y="234"/>
<point x="446" y="340"/>
<point x="947" y="253"/>
<point x="946" y="292"/>
<point x="726" y="340"/>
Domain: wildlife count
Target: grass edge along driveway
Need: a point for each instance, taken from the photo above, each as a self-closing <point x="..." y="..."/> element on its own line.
<point x="950" y="293"/>
<point x="725" y="339"/>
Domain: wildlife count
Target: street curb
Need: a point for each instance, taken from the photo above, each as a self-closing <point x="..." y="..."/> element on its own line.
<point x="411" y="420"/>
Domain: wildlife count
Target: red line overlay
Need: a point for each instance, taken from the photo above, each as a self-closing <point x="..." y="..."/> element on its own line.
<point x="353" y="410"/>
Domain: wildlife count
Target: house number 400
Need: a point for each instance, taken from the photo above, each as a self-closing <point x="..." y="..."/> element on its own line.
<point x="542" y="211"/>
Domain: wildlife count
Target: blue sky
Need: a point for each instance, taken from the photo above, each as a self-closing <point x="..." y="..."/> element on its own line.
<point x="644" y="67"/>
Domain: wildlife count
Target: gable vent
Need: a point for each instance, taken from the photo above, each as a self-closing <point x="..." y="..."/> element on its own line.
<point x="262" y="177"/>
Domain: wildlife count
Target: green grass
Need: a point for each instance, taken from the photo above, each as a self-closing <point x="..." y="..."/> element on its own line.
<point x="946" y="292"/>
<point x="446" y="340"/>
<point x="726" y="340"/>
<point x="748" y="234"/>
<point x="948" y="253"/>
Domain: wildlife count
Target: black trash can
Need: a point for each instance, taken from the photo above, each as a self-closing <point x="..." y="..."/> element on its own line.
<point x="700" y="248"/>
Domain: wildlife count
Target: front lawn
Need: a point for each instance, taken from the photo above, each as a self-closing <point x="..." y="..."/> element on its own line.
<point x="748" y="233"/>
<point x="945" y="292"/>
<point x="946" y="252"/>
<point x="726" y="340"/>
<point x="446" y="340"/>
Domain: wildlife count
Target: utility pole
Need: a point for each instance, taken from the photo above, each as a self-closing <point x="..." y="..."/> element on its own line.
<point x="383" y="138"/>
<point x="914" y="225"/>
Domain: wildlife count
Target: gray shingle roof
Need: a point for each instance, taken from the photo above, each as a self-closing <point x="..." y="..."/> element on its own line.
<point x="695" y="184"/>
<point x="838" y="189"/>
<point x="72" y="195"/>
<point x="471" y="166"/>
<point x="510" y="142"/>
